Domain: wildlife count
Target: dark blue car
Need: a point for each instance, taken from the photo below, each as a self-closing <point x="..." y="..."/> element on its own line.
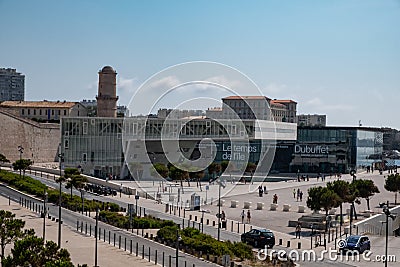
<point x="359" y="243"/>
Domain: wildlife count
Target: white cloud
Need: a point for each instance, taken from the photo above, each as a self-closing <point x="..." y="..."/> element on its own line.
<point x="166" y="82"/>
<point x="127" y="85"/>
<point x="274" y="89"/>
<point x="317" y="104"/>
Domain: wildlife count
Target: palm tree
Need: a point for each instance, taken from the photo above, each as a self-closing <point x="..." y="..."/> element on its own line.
<point x="74" y="179"/>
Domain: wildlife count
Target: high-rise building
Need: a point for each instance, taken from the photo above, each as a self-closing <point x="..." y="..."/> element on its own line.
<point x="12" y="85"/>
<point x="107" y="93"/>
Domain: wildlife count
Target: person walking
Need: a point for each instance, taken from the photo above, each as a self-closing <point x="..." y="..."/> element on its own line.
<point x="301" y="196"/>
<point x="248" y="216"/>
<point x="223" y="216"/>
<point x="294" y="193"/>
<point x="243" y="215"/>
<point x="298" y="230"/>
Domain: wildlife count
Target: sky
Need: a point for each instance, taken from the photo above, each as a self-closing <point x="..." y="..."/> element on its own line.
<point x="339" y="58"/>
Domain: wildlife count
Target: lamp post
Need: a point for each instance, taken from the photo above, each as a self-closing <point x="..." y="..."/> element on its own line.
<point x="95" y="235"/>
<point x="21" y="150"/>
<point x="44" y="215"/>
<point x="178" y="238"/>
<point x="60" y="160"/>
<point x="83" y="200"/>
<point x="388" y="214"/>
<point x="219" y="206"/>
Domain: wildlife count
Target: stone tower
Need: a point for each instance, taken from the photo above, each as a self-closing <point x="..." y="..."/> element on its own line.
<point x="107" y="93"/>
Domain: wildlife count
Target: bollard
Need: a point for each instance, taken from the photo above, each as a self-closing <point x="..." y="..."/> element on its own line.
<point x="195" y="218"/>
<point x="85" y="228"/>
<point x="188" y="223"/>
<point x="288" y="244"/>
<point x="104" y="235"/>
<point x="114" y="239"/>
<point x="77" y="225"/>
<point x="9" y="201"/>
<point x="137" y="249"/>
<point x="99" y="233"/>
<point x="190" y="217"/>
<point x="169" y="260"/>
<point x="299" y="245"/>
<point x="140" y="212"/>
<point x="119" y="242"/>
<point x="238" y="223"/>
<point x="81" y="227"/>
<point x="130" y="250"/>
<point x="90" y="230"/>
<point x="232" y="226"/>
<point x="142" y="251"/>
<point x="213" y="224"/>
<point x="109" y="237"/>
<point x="193" y="225"/>
<point x="125" y="244"/>
<point x="163" y="254"/>
<point x="144" y="212"/>
<point x="142" y="231"/>
<point x="155" y="259"/>
<point x="185" y="264"/>
<point x="149" y="254"/>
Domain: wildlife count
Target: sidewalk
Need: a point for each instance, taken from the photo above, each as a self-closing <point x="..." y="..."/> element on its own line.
<point x="81" y="247"/>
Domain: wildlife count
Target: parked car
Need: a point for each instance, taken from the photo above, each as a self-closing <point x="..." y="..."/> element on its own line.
<point x="259" y="238"/>
<point x="360" y="243"/>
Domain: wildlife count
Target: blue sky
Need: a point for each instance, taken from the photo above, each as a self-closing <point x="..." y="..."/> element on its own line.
<point x="339" y="58"/>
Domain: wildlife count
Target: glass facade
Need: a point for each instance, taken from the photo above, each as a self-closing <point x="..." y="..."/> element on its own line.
<point x="96" y="145"/>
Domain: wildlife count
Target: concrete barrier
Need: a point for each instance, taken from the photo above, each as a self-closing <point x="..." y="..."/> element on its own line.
<point x="234" y="203"/>
<point x="247" y="204"/>
<point x="260" y="205"/>
<point x="286" y="207"/>
<point x="301" y="209"/>
<point x="273" y="206"/>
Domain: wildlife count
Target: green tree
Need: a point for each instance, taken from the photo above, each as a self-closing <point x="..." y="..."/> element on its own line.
<point x="22" y="164"/>
<point x="159" y="169"/>
<point x="197" y="175"/>
<point x="322" y="198"/>
<point x="392" y="184"/>
<point x="342" y="189"/>
<point x="3" y="159"/>
<point x="10" y="231"/>
<point x="32" y="251"/>
<point x="364" y="189"/>
<point x="74" y="179"/>
<point x="214" y="169"/>
<point x="177" y="173"/>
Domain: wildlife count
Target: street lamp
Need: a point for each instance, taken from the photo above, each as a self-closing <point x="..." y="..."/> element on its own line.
<point x="60" y="160"/>
<point x="21" y="150"/>
<point x="393" y="217"/>
<point x="178" y="238"/>
<point x="44" y="215"/>
<point x="220" y="184"/>
<point x="95" y="245"/>
<point x="83" y="200"/>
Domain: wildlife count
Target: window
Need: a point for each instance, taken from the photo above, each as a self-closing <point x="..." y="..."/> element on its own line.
<point x="23" y="111"/>
<point x="52" y="112"/>
<point x="34" y="112"/>
<point x="66" y="144"/>
<point x="29" y="111"/>
<point x="65" y="112"/>
<point x="40" y="112"/>
<point x="85" y="127"/>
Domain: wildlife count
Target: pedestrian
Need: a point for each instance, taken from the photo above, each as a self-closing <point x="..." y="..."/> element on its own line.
<point x="301" y="196"/>
<point x="223" y="216"/>
<point x="294" y="193"/>
<point x="298" y="230"/>
<point x="248" y="216"/>
<point x="242" y="215"/>
<point x="298" y="194"/>
<point x="275" y="199"/>
<point x="265" y="190"/>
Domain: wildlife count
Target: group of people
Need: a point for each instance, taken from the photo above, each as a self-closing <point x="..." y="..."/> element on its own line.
<point x="262" y="190"/>
<point x="298" y="193"/>
<point x="243" y="215"/>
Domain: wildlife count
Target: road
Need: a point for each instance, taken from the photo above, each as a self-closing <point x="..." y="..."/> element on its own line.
<point x="70" y="218"/>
